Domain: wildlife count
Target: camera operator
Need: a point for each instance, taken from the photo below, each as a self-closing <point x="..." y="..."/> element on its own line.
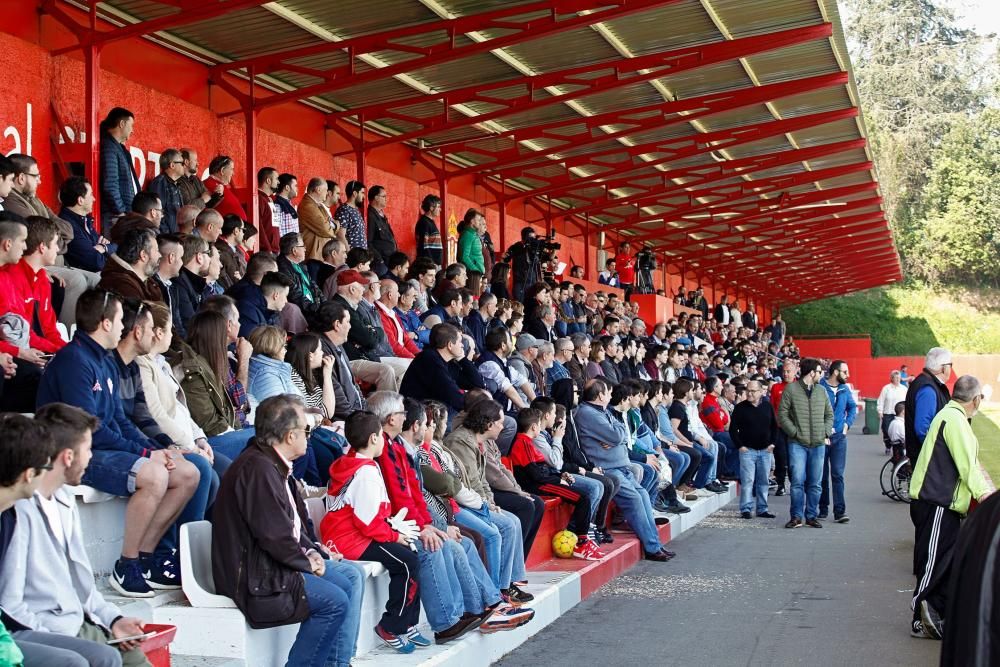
<point x="526" y="265"/>
<point x="625" y="264"/>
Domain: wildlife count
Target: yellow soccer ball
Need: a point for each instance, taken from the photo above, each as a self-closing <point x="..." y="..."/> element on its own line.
<point x="563" y="544"/>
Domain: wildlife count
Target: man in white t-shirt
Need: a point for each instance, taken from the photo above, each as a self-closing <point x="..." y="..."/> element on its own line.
<point x="891" y="394"/>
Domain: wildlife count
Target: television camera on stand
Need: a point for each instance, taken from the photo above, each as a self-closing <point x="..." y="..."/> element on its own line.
<point x="645" y="264"/>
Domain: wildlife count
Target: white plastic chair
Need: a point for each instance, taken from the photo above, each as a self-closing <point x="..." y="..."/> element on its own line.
<point x="196" y="566"/>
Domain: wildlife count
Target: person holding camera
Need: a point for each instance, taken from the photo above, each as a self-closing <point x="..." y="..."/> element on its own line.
<point x="525" y="262"/>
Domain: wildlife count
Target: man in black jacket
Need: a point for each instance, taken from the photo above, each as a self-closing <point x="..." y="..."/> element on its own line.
<point x="753" y="430"/>
<point x="265" y="554"/>
<point x="443" y="371"/>
<point x="363" y="340"/>
<point x="304" y="293"/>
<point x="190" y="282"/>
<point x="381" y="238"/>
<point x="333" y="324"/>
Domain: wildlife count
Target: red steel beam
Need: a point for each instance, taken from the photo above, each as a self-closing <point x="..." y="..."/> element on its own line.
<point x="195" y="13"/>
<point x="582" y="81"/>
<point x="515" y="32"/>
<point x="734" y="192"/>
<point x="673" y="150"/>
<point x="707" y="174"/>
<point x="822" y="250"/>
<point x="635" y="120"/>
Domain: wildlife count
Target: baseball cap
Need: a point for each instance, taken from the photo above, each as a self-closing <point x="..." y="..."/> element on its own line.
<point x="349" y="277"/>
<point x="524" y="341"/>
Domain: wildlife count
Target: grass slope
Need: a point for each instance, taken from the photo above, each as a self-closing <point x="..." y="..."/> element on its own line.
<point x="985" y="425"/>
<point x="907" y="319"/>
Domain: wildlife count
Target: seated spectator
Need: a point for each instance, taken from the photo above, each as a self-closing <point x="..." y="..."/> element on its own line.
<point x="499" y="280"/>
<point x="399" y="339"/>
<point x="148" y="206"/>
<point x="562" y="353"/>
<point x="442" y="558"/>
<point x="442" y="370"/>
<point x="234" y="262"/>
<point x="576" y="366"/>
<point x="366" y="333"/>
<point x="126" y="463"/>
<point x="334" y="256"/>
<point x="208" y="225"/>
<point x="214" y="271"/>
<point x="269" y="373"/>
<point x="448" y="307"/>
<point x="680" y="424"/>
<point x="316" y="223"/>
<point x="543" y="327"/>
<point x="47" y="587"/>
<point x="702" y="434"/>
<point x="333" y="324"/>
<point x="190" y="282"/>
<point x="26" y="293"/>
<point x="424" y="271"/>
<point x="168" y="406"/>
<point x="598" y="355"/>
<point x="398" y="265"/>
<point x="497" y="374"/>
<point x="359" y="259"/>
<point x="416" y="330"/>
<point x="130" y="222"/>
<point x="304" y="293"/>
<point x="534" y="473"/>
<point x="476" y="321"/>
<point x="359" y="524"/>
<point x="129" y="271"/>
<point x="262" y="537"/>
<point x="254" y="309"/>
<point x="483" y="422"/>
<point x="89" y="249"/>
<point x="171" y="262"/>
<point x="604" y="440"/>
<point x="312" y="373"/>
<point x="369" y="312"/>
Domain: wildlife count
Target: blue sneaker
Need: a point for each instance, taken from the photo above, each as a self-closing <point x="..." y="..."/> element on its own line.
<point x="416" y="638"/>
<point x="162" y="571"/>
<point x="398" y="642"/>
<point x="127" y="579"/>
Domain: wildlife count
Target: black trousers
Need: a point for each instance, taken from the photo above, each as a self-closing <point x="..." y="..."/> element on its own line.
<point x="17" y="394"/>
<point x="692" y="468"/>
<point x="935" y="534"/>
<point x="781" y="458"/>
<point x="528" y="511"/>
<point x="611" y="485"/>
<point x="402" y="610"/>
<point x="886" y="420"/>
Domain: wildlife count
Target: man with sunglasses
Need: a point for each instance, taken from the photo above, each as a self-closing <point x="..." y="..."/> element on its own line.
<point x="947" y="476"/>
<point x="165" y="186"/>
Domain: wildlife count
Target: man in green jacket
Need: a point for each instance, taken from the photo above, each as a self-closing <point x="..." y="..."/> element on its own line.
<point x="470" y="247"/>
<point x="806" y="416"/>
<point x="946" y="477"/>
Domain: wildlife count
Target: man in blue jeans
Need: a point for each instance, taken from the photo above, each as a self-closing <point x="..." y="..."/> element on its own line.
<point x="605" y="442"/>
<point x="753" y="429"/>
<point x="845" y="409"/>
<point x="806" y="416"/>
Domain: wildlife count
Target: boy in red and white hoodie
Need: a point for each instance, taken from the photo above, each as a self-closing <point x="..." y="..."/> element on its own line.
<point x="359" y="524"/>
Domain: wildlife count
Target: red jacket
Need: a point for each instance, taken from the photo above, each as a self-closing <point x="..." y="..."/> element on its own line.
<point x="229" y="203"/>
<point x="402" y="345"/>
<point x="777" y="389"/>
<point x="22" y="291"/>
<point x="269" y="237"/>
<point x="715" y="418"/>
<point x="402" y="484"/>
<point x="358" y="507"/>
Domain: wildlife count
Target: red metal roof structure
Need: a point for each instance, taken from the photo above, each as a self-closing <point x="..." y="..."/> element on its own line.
<point x="724" y="134"/>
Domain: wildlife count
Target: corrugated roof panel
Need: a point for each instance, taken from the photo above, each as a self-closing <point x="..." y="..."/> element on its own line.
<point x="574" y="48"/>
<point x="625" y="97"/>
<point x="466" y="7"/>
<point x="743" y="117"/>
<point x="744" y="18"/>
<point x="827" y="99"/>
<point x="383" y="90"/>
<point x="794" y="62"/>
<point x="841" y="130"/>
<point x="348" y="18"/>
<point x="143" y="9"/>
<point x="647" y="33"/>
<point x="240" y="34"/>
<point x="482" y="68"/>
<point x="704" y="80"/>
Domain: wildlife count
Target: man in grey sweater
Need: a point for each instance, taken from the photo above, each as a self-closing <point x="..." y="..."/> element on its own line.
<point x="604" y="441"/>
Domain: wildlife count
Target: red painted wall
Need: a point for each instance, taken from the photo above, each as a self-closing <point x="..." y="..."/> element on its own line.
<point x="834" y="348"/>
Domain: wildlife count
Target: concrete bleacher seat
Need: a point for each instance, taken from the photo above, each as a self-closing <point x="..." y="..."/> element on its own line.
<point x="103" y="515"/>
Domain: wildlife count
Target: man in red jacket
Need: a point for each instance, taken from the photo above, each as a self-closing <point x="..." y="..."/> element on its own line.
<point x="789" y="369"/>
<point x="25" y="289"/>
<point x="400" y="342"/>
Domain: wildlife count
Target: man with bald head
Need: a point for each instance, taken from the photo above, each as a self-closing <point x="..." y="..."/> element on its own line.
<point x="208" y="225"/>
<point x="402" y="345"/>
<point x="753" y="428"/>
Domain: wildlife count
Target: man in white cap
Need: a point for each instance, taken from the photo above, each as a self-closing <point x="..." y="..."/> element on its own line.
<point x="925" y="397"/>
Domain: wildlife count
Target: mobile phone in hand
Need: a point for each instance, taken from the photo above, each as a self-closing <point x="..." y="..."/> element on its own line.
<point x="133" y="638"/>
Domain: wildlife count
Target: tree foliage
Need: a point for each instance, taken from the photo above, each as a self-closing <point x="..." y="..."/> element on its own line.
<point x="927" y="87"/>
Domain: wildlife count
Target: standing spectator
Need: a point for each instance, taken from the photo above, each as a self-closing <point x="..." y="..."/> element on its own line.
<point x="165" y="186"/>
<point x="286" y="218"/>
<point x="753" y="429"/>
<point x="904" y="377"/>
<point x="381" y="238"/>
<point x="722" y="313"/>
<point x="925" y="397"/>
<point x="193" y="192"/>
<point x="118" y="179"/>
<point x="349" y="215"/>
<point x="267" y="213"/>
<point x="262" y="538"/>
<point x="220" y="174"/>
<point x="429" y="241"/>
<point x="788" y="372"/>
<point x="316" y="224"/>
<point x="625" y="263"/>
<point x="891" y="394"/>
<point x="470" y="247"/>
<point x="47" y="588"/>
<point x="88" y="250"/>
<point x="499" y="279"/>
<point x="947" y="476"/>
<point x="806" y="417"/>
<point x="845" y="409"/>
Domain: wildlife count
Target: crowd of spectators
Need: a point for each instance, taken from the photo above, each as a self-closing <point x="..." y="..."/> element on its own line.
<point x="226" y="371"/>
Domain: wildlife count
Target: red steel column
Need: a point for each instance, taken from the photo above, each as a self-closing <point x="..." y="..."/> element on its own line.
<point x="587" y="250"/>
<point x="250" y="114"/>
<point x="92" y="69"/>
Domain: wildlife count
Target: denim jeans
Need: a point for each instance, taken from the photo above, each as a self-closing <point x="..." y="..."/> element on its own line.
<point x="321" y="635"/>
<point x="440" y="588"/>
<point x="346" y="644"/>
<point x="227" y="446"/>
<point x="755" y="466"/>
<point x="729" y="454"/>
<point x="650" y="481"/>
<point x="833" y="471"/>
<point x="502" y="533"/>
<point x="478" y="590"/>
<point x="679" y="462"/>
<point x="805" y="466"/>
<point x="706" y="470"/>
<point x="633" y="501"/>
<point x="196" y="507"/>
<point x="591" y="488"/>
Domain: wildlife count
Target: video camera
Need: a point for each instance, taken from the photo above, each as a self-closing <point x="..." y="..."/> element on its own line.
<point x="543" y="248"/>
<point x="645" y="260"/>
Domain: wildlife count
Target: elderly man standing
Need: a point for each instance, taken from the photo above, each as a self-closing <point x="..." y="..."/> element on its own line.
<point x="806" y="417"/>
<point x="925" y="396"/>
<point x="892" y="393"/>
<point x="753" y="430"/>
<point x="946" y="477"/>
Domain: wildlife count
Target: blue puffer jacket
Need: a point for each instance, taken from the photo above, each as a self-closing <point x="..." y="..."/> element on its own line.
<point x="603" y="438"/>
<point x="252" y="306"/>
<point x="845" y="408"/>
<point x="269" y="377"/>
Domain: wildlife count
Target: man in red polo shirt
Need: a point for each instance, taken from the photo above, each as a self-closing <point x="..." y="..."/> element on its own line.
<point x="789" y="370"/>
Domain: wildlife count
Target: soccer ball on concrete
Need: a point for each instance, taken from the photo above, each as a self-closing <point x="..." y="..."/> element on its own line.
<point x="563" y="544"/>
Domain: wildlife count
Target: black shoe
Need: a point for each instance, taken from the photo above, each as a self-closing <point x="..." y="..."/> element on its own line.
<point x="746" y="515"/>
<point x="715" y="487"/>
<point x="666" y="552"/>
<point x="933" y="623"/>
<point x="719" y="482"/>
<point x="780" y="491"/>
<point x="659" y="556"/>
<point x="463" y="627"/>
<point x="603" y="536"/>
<point x="794" y="523"/>
<point x="518" y="597"/>
<point x="843" y="518"/>
<point x="661" y="506"/>
<point x="772" y="482"/>
<point x="823" y="516"/>
<point x="677" y="507"/>
<point x="813" y="523"/>
<point x="765" y="515"/>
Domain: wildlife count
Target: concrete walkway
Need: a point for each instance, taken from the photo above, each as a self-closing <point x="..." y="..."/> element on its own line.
<point x="752" y="593"/>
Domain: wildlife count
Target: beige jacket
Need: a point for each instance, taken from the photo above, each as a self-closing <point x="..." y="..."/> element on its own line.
<point x="166" y="402"/>
<point x="316" y="226"/>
